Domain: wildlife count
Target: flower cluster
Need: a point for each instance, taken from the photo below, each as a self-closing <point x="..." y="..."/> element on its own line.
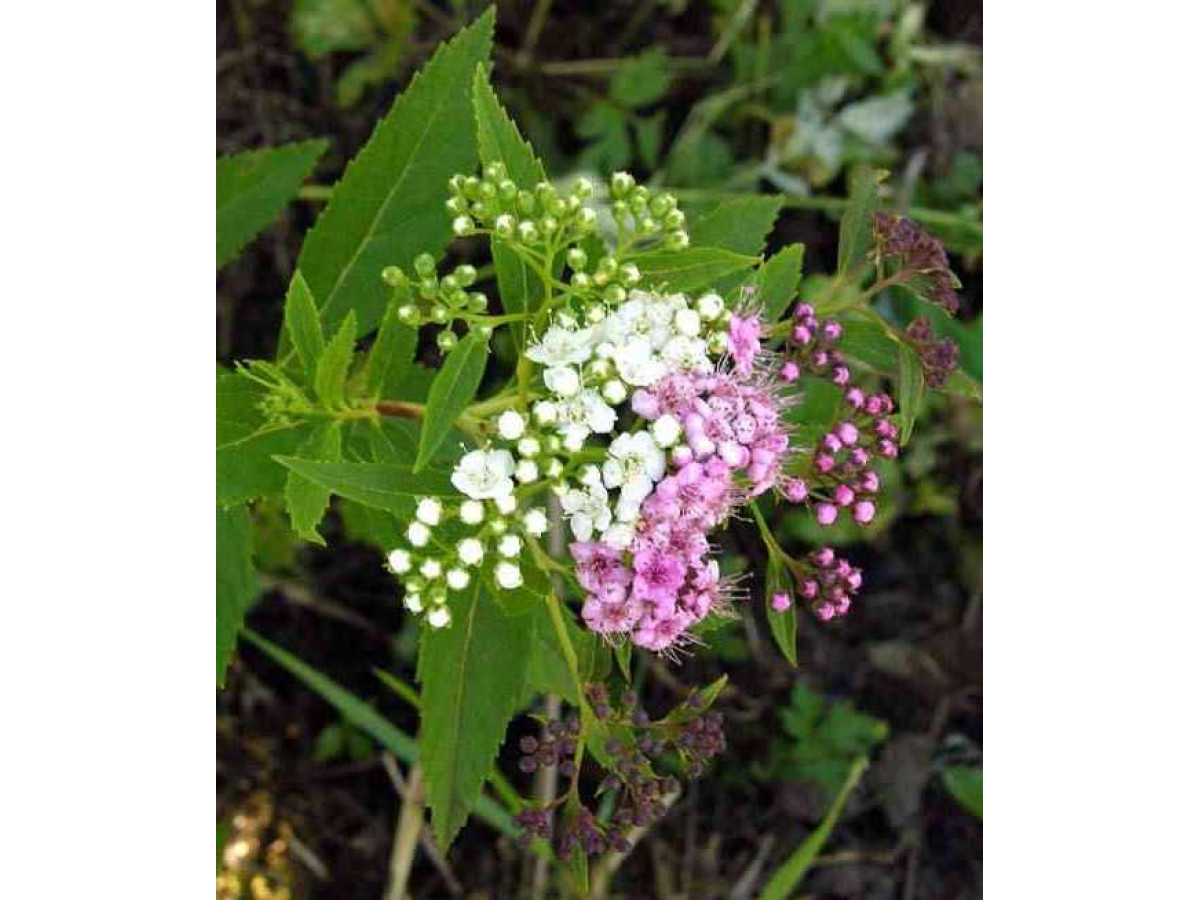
<point x="839" y="476"/>
<point x="426" y="298"/>
<point x="918" y="258"/>
<point x="831" y="584"/>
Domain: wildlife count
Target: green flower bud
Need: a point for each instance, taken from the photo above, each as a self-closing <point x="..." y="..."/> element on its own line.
<point x="586" y="218"/>
<point x="577" y="258"/>
<point x="458" y="298"/>
<point x="508" y="190"/>
<point x="471" y="188"/>
<point x="607" y="265"/>
<point x="446" y="340"/>
<point x="484" y="331"/>
<point x="506" y="226"/>
<point x="629" y="274"/>
<point x="409" y="314"/>
<point x="480" y="210"/>
<point x="494" y="171"/>
<point x="456" y="183"/>
<point x="425" y="265"/>
<point x="478" y="303"/>
<point x="677" y="240"/>
<point x="622" y="184"/>
<point x="439" y="315"/>
<point x="487" y="191"/>
<point x="620" y="209"/>
<point x="428" y="288"/>
<point x="638" y="207"/>
<point x="557" y="207"/>
<point x="465" y="275"/>
<point x="581" y="281"/>
<point x="527" y="232"/>
<point x="648" y="225"/>
<point x="393" y="276"/>
<point x="456" y="206"/>
<point x="614" y="293"/>
<point x="461" y="226"/>
<point x="582" y="188"/>
<point x="596" y="313"/>
<point x="449" y="283"/>
<point x="525" y="202"/>
<point x="674" y="219"/>
<point x="545" y="193"/>
<point x="549" y="225"/>
<point x="659" y="206"/>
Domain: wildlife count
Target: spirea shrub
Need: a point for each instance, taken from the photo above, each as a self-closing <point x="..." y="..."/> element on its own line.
<point x="555" y="508"/>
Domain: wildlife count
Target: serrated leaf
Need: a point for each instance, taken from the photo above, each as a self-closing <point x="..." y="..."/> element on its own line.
<point x="778" y="280"/>
<point x="453" y="388"/>
<point x="965" y="784"/>
<point x="500" y="141"/>
<point x="389" y="205"/>
<point x="237" y="581"/>
<point x="624" y="655"/>
<point x="253" y="187"/>
<point x="303" y="324"/>
<point x="391" y="357"/>
<point x="472" y="677"/>
<point x="246" y="444"/>
<point x="691" y="269"/>
<point x="385" y="486"/>
<point x="306" y="500"/>
<point x="911" y="381"/>
<point x="334" y="364"/>
<point x="641" y="80"/>
<point x="363" y="716"/>
<point x="740" y="224"/>
<point x="856" y="231"/>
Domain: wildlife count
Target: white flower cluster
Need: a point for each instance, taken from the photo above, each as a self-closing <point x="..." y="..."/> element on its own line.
<point x="431" y="568"/>
<point x="591" y="368"/>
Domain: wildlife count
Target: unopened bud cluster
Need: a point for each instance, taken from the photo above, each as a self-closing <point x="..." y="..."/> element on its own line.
<point x="538" y="217"/>
<point x="555" y="748"/>
<point x="426" y="298"/>
<point x="939" y="358"/>
<point x="915" y="258"/>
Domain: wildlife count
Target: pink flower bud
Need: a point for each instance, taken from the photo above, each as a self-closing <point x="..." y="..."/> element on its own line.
<point x="887" y="429"/>
<point x="841" y="376"/>
<point x="802" y="311"/>
<point x="888" y="449"/>
<point x="888" y="405"/>
<point x="869" y="483"/>
<point x="795" y="490"/>
<point x="781" y="603"/>
<point x="645" y="404"/>
<point x="859" y="457"/>
<point x="873" y="406"/>
<point x="864" y="511"/>
<point x="827" y="513"/>
<point x="823" y="463"/>
<point x="789" y="371"/>
<point x="831" y="331"/>
<point x="843" y="495"/>
<point x="682" y="455"/>
<point x="854" y="580"/>
<point x="801" y="335"/>
<point x="820" y="359"/>
<point x="824" y="557"/>
<point x="825" y="611"/>
<point x="831" y="443"/>
<point x="734" y="454"/>
<point x="846" y="433"/>
<point x="855" y="397"/>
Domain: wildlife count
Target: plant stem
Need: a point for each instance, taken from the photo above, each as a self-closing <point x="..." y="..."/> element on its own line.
<point x="408" y="832"/>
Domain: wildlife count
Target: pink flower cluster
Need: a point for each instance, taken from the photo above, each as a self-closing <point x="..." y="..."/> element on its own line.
<point x="735" y="445"/>
<point x="840" y="476"/>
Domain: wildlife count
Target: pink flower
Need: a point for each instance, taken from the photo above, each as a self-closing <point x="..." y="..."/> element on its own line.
<point x="864" y="512"/>
<point x="781" y="602"/>
<point x="846" y="433"/>
<point x="843" y="495"/>
<point x="827" y="513"/>
<point x="598" y="565"/>
<point x="658" y="577"/>
<point x="744" y="334"/>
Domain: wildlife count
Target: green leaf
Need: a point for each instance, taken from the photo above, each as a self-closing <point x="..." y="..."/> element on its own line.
<point x="389" y="205"/>
<point x="334" y="364"/>
<point x="782" y="624"/>
<point x="321" y="27"/>
<point x="253" y="187"/>
<point x="549" y="670"/>
<point x="965" y="784"/>
<point x="307" y="500"/>
<point x="692" y="269"/>
<point x="391" y="358"/>
<point x="641" y="80"/>
<point x="868" y="341"/>
<point x="303" y="324"/>
<point x="648" y="133"/>
<point x="246" y="444"/>
<point x="530" y="595"/>
<point x="237" y="582"/>
<point x="963" y="385"/>
<point x="857" y="230"/>
<point x="610" y="147"/>
<point x="453" y="388"/>
<point x="788" y="876"/>
<point x="500" y="141"/>
<point x="624" y="655"/>
<point x="385" y="486"/>
<point x="472" y="676"/>
<point x="911" y="389"/>
<point x="778" y="280"/>
<point x="740" y="224"/>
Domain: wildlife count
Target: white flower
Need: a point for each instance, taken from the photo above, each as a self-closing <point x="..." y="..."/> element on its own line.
<point x="529" y="446"/>
<point x="471" y="512"/>
<point x="688" y="354"/>
<point x="412" y="601"/>
<point x="510" y="424"/>
<point x="642" y="316"/>
<point x="666" y="430"/>
<point x="637" y="363"/>
<point x="536" y="523"/>
<point x="457" y="579"/>
<point x="506" y="504"/>
<point x="439" y="617"/>
<point x="618" y="535"/>
<point x="614" y="391"/>
<point x="429" y="511"/>
<point x="431" y="568"/>
<point x="509" y="546"/>
<point x="563" y="381"/>
<point x="582" y="415"/>
<point x="545" y="412"/>
<point x="527" y="471"/>
<point x="399" y="561"/>
<point x="588" y="506"/>
<point x="485" y="474"/>
<point x="470" y="551"/>
<point x="710" y="306"/>
<point x="634" y="463"/>
<point x="687" y="322"/>
<point x="418" y="534"/>
<point x="508" y="576"/>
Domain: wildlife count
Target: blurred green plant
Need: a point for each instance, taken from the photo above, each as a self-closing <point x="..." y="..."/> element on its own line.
<point x="965" y="784"/>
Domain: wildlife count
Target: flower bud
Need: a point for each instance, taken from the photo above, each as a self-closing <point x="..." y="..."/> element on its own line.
<point x="461" y="226"/>
<point x="506" y="504"/>
<point x="429" y="511"/>
<point x="509" y="546"/>
<point x="781" y="602"/>
<point x="470" y="551"/>
<point x="418" y="534"/>
<point x="535" y="522"/>
<point x="471" y="512"/>
<point x="622" y="184"/>
<point x="510" y="424"/>
<point x="457" y="579"/>
<point x="508" y="576"/>
<point x="827" y="514"/>
<point x="526" y="471"/>
<point x="446" y="341"/>
<point x="506" y="225"/>
<point x="439" y="617"/>
<point x="614" y="391"/>
<point x="431" y="569"/>
<point x="399" y="561"/>
<point x="577" y="258"/>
